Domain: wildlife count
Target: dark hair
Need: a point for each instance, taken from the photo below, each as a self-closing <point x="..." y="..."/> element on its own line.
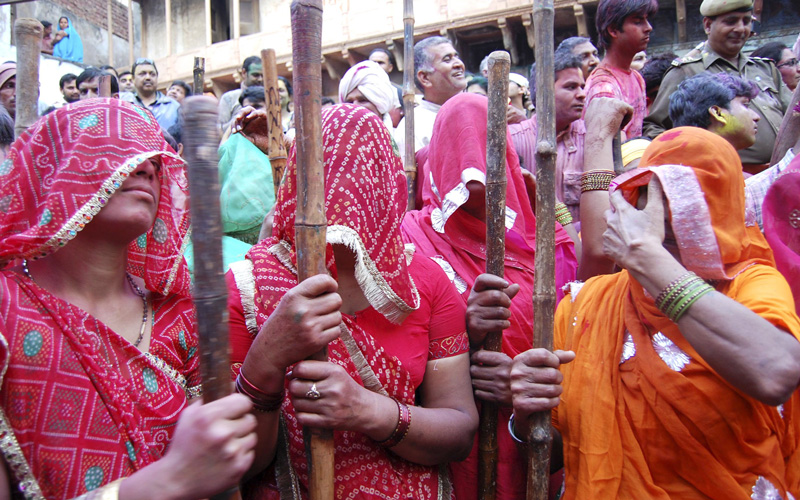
<point x="326" y="100"/>
<point x="654" y="70"/>
<point x="62" y="17"/>
<point x="611" y="14"/>
<point x="568" y="44"/>
<point x="110" y="69"/>
<point x="254" y="93"/>
<point x="689" y="104"/>
<point x="92" y="72"/>
<point x="46" y="24"/>
<point x="479" y="80"/>
<point x="170" y="139"/>
<point x="6" y="128"/>
<point x="385" y="51"/>
<point x="422" y="58"/>
<point x="771" y="50"/>
<point x="141" y="62"/>
<point x="250" y="61"/>
<point x="185" y="86"/>
<point x="69" y="77"/>
<point x="562" y="60"/>
<point x="287" y="83"/>
<point x="126" y="72"/>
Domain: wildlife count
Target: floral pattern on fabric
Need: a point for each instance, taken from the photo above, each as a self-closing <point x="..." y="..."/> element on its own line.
<point x="670" y="353"/>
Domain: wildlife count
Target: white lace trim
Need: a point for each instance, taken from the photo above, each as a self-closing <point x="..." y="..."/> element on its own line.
<point x="458" y="281"/>
<point x="670" y="353"/>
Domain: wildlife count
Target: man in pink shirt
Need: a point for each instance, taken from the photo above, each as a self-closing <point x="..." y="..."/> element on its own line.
<point x="624" y="30"/>
<point x="569" y="95"/>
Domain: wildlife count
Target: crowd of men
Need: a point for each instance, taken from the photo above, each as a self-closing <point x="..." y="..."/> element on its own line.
<point x="676" y="366"/>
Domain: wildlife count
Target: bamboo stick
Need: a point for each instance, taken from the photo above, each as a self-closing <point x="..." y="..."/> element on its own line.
<point x="409" y="90"/>
<point x="28" y="34"/>
<point x="200" y="138"/>
<point x="311" y="221"/>
<point x="496" y="135"/>
<point x="104" y="86"/>
<point x="616" y="153"/>
<point x="199" y="75"/>
<point x="544" y="296"/>
<point x="276" y="148"/>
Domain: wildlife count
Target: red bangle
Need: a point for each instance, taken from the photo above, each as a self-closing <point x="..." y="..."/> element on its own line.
<point x="261" y="400"/>
<point x="401" y="430"/>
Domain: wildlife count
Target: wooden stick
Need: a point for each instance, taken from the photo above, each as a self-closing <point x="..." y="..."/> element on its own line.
<point x="200" y="138"/>
<point x="276" y="148"/>
<point x="496" y="130"/>
<point x="28" y="34"/>
<point x="616" y="153"/>
<point x="311" y="221"/>
<point x="199" y="75"/>
<point x="409" y="90"/>
<point x="544" y="295"/>
<point x="104" y="86"/>
<point x="789" y="132"/>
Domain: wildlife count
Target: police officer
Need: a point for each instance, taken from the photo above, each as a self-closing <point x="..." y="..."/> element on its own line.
<point x="727" y="24"/>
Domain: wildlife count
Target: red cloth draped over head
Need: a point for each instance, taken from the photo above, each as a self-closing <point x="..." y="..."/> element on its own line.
<point x="370" y="226"/>
<point x="61" y="172"/>
<point x="457" y="242"/>
<point x="662" y="424"/>
<point x="781" y="211"/>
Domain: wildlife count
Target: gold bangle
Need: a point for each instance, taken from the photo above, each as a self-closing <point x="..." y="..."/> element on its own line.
<point x="596" y="180"/>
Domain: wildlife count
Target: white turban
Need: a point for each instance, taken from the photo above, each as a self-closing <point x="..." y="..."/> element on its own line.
<point x="373" y="83"/>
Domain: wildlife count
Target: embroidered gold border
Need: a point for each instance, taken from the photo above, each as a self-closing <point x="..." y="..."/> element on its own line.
<point x="246" y="283"/>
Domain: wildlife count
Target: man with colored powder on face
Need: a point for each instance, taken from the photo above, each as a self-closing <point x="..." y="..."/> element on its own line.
<point x="229" y="106"/>
<point x="728" y="25"/>
<point x="719" y="103"/>
<point x="624" y="30"/>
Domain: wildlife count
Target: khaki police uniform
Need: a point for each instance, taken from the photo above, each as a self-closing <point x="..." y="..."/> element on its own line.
<point x="770" y="104"/>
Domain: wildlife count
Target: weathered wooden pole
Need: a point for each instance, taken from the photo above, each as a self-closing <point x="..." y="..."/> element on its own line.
<point x="496" y="135"/>
<point x="544" y="293"/>
<point x="104" y="86"/>
<point x="311" y="221"/>
<point x="200" y="139"/>
<point x="276" y="149"/>
<point x="28" y="35"/>
<point x="616" y="153"/>
<point x="198" y="76"/>
<point x="409" y="90"/>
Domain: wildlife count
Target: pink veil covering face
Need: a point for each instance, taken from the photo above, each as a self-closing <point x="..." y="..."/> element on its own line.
<point x="781" y="211"/>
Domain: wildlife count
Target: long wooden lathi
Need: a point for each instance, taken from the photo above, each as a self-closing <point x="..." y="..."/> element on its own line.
<point x="544" y="294"/>
<point x="198" y="75"/>
<point x="409" y="90"/>
<point x="200" y="139"/>
<point x="499" y="65"/>
<point x="311" y="222"/>
<point x="104" y="86"/>
<point x="28" y="36"/>
<point x="276" y="149"/>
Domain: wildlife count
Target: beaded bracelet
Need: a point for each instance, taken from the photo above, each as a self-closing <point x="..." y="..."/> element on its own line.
<point x="511" y="431"/>
<point x="675" y="287"/>
<point x="401" y="430"/>
<point x="596" y="180"/>
<point x="261" y="400"/>
<point x="563" y="216"/>
<point x="686" y="299"/>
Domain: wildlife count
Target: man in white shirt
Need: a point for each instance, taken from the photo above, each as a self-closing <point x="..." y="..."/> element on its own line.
<point x="439" y="75"/>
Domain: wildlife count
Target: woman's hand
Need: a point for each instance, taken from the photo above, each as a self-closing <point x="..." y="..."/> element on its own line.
<point x="491" y="376"/>
<point x="343" y="404"/>
<point x="536" y="383"/>
<point x="630" y="232"/>
<point x="252" y="124"/>
<point x="211" y="449"/>
<point x="306" y="319"/>
<point x="488" y="307"/>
